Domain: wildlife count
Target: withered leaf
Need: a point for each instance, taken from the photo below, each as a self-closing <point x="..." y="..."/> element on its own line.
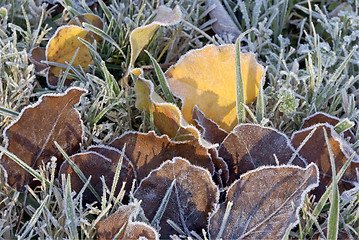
<point x="266" y="202"/>
<point x="31" y="137"/>
<point x="210" y="130"/>
<point x="316" y="151"/>
<point x="109" y="227"/>
<point x="38" y="54"/>
<point x="127" y="172"/>
<point x="148" y="151"/>
<point x="250" y="146"/>
<point x="96" y="165"/>
<point x="321" y="117"/>
<point x="192" y="198"/>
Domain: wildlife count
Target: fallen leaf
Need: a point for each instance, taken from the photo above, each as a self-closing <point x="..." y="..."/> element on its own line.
<point x="110" y="226"/>
<point x="316" y="150"/>
<point x="88" y="18"/>
<point x="140" y="37"/>
<point x="266" y="203"/>
<point x="148" y="151"/>
<point x="191" y="200"/>
<point x="31" y="137"/>
<point x="61" y="49"/>
<point x="224" y="25"/>
<point x="127" y="171"/>
<point x="206" y="77"/>
<point x="95" y="165"/>
<point x="167" y="116"/>
<point x="321" y="117"/>
<point x="210" y="130"/>
<point x="38" y="54"/>
<point x="250" y="146"/>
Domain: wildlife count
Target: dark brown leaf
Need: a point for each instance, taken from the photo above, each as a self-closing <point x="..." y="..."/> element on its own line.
<point x="109" y="227"/>
<point x="321" y="117"/>
<point x="148" y="151"/>
<point x="266" y="202"/>
<point x="250" y="146"/>
<point x="31" y="137"/>
<point x="37" y="55"/>
<point x="192" y="198"/>
<point x="91" y="164"/>
<point x="316" y="150"/>
<point x="127" y="172"/>
<point x="210" y="130"/>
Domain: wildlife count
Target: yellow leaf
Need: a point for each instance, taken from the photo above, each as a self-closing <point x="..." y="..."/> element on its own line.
<point x="206" y="78"/>
<point x="167" y="117"/>
<point x="62" y="47"/>
<point x="88" y="18"/>
<point x="140" y="37"/>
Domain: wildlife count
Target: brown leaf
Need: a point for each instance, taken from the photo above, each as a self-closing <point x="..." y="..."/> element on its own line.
<point x="321" y="117"/>
<point x="210" y="130"/>
<point x="148" y="151"/>
<point x="127" y="172"/>
<point x="96" y="165"/>
<point x="109" y="227"/>
<point x="31" y="137"/>
<point x="192" y="198"/>
<point x="316" y="150"/>
<point x="91" y="164"/>
<point x="266" y="203"/>
<point x="250" y="146"/>
<point x="37" y="55"/>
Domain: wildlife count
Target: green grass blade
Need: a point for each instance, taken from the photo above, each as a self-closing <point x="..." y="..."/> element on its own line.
<point x="343" y="65"/>
<point x="104" y="35"/>
<point x="25" y="166"/>
<point x="318" y="208"/>
<point x="343" y="125"/>
<point x="240" y="97"/>
<point x="34" y="218"/>
<point x="333" y="220"/>
<point x="260" y="107"/>
<point x="117" y="173"/>
<point x="78" y="171"/>
<point x="162" y="78"/>
<point x="157" y="218"/>
<point x="8" y="112"/>
<point x="70" y="210"/>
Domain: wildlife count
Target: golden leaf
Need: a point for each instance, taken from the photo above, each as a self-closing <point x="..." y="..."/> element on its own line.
<point x="206" y="78"/>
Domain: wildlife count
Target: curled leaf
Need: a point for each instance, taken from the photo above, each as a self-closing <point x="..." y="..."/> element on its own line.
<point x="210" y="130"/>
<point x="316" y="150"/>
<point x="140" y="37"/>
<point x="121" y="223"/>
<point x="192" y="198"/>
<point x="250" y="146"/>
<point x="167" y="117"/>
<point x="265" y="203"/>
<point x="206" y="77"/>
<point x="148" y="151"/>
<point x="321" y="117"/>
<point x="31" y="138"/>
